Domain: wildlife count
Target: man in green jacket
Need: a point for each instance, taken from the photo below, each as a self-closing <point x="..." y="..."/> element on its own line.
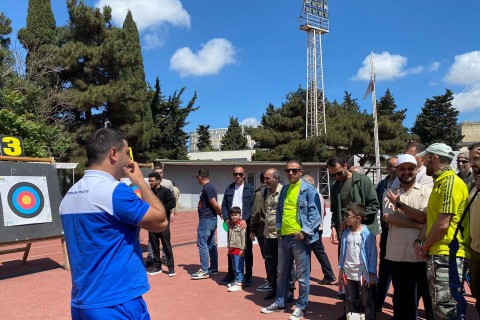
<point x="350" y="187"/>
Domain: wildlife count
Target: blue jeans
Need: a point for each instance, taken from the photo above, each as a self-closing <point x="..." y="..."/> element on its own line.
<point x="207" y="246"/>
<point x="289" y="250"/>
<point x="238" y="264"/>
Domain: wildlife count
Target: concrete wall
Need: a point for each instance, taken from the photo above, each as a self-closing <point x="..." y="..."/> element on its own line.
<point x="184" y="175"/>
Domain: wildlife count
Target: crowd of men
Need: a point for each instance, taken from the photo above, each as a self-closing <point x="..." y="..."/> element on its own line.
<point x="425" y="213"/>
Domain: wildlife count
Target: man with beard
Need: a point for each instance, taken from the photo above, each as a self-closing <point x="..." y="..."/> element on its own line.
<point x="474" y="153"/>
<point x="404" y="210"/>
<point x="350" y="187"/>
<point x="447" y="202"/>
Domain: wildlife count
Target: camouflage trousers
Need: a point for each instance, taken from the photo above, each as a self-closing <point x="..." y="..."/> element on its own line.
<point x="444" y="305"/>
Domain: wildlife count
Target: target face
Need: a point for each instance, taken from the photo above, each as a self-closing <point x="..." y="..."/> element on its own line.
<point x="26" y="200"/>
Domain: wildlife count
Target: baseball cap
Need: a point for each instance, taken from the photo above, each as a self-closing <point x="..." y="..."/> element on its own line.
<point x="440" y="149"/>
<point x="406" y="158"/>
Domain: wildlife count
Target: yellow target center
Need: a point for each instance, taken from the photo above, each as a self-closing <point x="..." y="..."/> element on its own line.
<point x="26" y="200"/>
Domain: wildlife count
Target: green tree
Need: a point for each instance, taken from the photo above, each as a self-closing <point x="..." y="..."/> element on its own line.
<point x="438" y="121"/>
<point x="204" y="143"/>
<point x="169" y="117"/>
<point x="39" y="39"/>
<point x="234" y="138"/>
<point x="131" y="113"/>
<point x="5" y="30"/>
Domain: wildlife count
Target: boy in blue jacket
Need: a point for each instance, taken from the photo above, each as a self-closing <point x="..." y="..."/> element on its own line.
<point x="358" y="263"/>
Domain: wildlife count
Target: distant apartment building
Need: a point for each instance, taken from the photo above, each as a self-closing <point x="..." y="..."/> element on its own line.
<point x="470" y="131"/>
<point x="216" y="136"/>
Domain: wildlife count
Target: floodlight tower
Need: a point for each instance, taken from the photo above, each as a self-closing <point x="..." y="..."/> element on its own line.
<point x="314" y="20"/>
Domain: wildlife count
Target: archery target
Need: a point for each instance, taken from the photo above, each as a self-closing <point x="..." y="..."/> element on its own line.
<point x="25" y="200"/>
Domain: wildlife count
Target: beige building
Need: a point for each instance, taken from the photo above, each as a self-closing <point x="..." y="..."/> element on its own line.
<point x="470" y="131"/>
<point x="216" y="136"/>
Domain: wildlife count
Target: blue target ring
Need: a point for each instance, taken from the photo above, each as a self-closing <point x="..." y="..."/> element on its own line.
<point x="26" y="200"/>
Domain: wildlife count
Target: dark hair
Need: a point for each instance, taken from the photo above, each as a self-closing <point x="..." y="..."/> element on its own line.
<point x="357" y="209"/>
<point x="419" y="147"/>
<point x="262" y="176"/>
<point x="332" y="162"/>
<point x="294" y="161"/>
<point x="155" y="175"/>
<point x="101" y="142"/>
<point x="474" y="146"/>
<point x="204" y="173"/>
<point x="235" y="210"/>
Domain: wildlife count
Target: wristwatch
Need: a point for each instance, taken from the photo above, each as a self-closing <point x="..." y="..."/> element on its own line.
<point x="398" y="204"/>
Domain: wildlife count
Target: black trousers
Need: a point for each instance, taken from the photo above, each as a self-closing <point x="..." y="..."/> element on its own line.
<point x="248" y="256"/>
<point x="271" y="250"/>
<point x="319" y="251"/>
<point x="164" y="237"/>
<point x="261" y="244"/>
<point x="410" y="283"/>
<point x="384" y="275"/>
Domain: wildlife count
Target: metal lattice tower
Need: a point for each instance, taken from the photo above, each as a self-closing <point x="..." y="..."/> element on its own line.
<point x="314" y="20"/>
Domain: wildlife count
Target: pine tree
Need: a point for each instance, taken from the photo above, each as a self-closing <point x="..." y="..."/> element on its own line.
<point x="438" y="121"/>
<point x="234" y="138"/>
<point x="204" y="143"/>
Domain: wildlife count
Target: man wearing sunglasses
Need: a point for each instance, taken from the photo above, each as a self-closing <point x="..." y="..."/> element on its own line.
<point x="297" y="221"/>
<point x="474" y="266"/>
<point x="350" y="187"/>
<point x="239" y="194"/>
<point x="464" y="170"/>
<point x="447" y="202"/>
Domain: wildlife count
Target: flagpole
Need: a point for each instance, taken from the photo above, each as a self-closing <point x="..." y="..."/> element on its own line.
<point x="378" y="175"/>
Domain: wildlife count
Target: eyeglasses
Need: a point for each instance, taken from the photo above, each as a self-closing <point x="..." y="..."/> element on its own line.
<point x="294" y="171"/>
<point x="151" y="181"/>
<point x="239" y="174"/>
<point x="462" y="161"/>
<point x="336" y="174"/>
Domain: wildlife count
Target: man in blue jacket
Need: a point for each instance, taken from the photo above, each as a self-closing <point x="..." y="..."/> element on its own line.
<point x="297" y="221"/>
<point x="239" y="194"/>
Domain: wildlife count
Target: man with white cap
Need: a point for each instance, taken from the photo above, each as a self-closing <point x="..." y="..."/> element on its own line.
<point x="447" y="202"/>
<point x="404" y="209"/>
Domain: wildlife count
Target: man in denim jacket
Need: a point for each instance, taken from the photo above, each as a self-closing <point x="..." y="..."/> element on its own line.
<point x="297" y="221"/>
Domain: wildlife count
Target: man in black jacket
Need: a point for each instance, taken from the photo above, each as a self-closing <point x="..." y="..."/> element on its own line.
<point x="239" y="194"/>
<point x="168" y="200"/>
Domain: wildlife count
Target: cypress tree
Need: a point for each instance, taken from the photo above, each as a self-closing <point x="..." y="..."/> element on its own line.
<point x="204" y="143"/>
<point x="234" y="139"/>
<point x="39" y="39"/>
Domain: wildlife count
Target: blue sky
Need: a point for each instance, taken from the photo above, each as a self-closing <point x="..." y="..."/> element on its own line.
<point x="241" y="55"/>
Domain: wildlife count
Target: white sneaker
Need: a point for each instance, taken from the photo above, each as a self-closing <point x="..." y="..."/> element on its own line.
<point x="234" y="288"/>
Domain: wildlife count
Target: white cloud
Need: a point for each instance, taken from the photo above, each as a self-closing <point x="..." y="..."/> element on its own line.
<point x="465" y="70"/>
<point x="153" y="39"/>
<point x="467" y="100"/>
<point x="213" y="56"/>
<point x="250" y="122"/>
<point x="434" y="66"/>
<point x="150" y="16"/>
<point x="387" y="67"/>
<point x="148" y="13"/>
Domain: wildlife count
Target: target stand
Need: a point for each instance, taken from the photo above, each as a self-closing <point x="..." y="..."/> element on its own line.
<point x="29" y="205"/>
